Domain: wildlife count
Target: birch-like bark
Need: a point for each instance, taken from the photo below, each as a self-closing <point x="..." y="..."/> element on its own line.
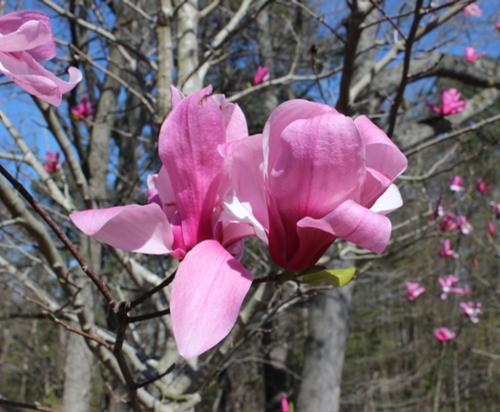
<point x="165" y="58"/>
<point x="187" y="51"/>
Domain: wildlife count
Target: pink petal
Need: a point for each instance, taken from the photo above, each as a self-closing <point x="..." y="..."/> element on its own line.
<point x="207" y="294"/>
<point x="176" y="96"/>
<point x="13" y="21"/>
<point x="32" y="77"/>
<point x="188" y="148"/>
<point x="234" y="119"/>
<point x="389" y="201"/>
<point x="30" y="35"/>
<point x="244" y="158"/>
<point x="142" y="229"/>
<point x="321" y="164"/>
<point x="382" y="155"/>
<point x="280" y="118"/>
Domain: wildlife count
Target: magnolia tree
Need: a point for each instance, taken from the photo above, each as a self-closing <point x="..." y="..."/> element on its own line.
<point x="168" y="208"/>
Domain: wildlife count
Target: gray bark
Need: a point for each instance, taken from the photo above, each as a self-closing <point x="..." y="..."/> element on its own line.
<point x="328" y="330"/>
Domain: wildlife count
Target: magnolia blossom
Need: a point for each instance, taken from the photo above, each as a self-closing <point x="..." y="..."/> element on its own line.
<point x="463" y="225"/>
<point x="52" y="163"/>
<point x="451" y="103"/>
<point x="447" y="284"/>
<point x="313" y="176"/>
<point x="447" y="251"/>
<point x="471" y="55"/>
<point x="460" y="291"/>
<point x="448" y="223"/>
<point x="284" y="403"/>
<point x="497" y="25"/>
<point x="25" y="40"/>
<point x="261" y="75"/>
<point x="82" y="110"/>
<point x="184" y="218"/>
<point x="481" y="186"/>
<point x="471" y="310"/>
<point x="438" y="210"/>
<point x="496" y="208"/>
<point x="414" y="290"/>
<point x="456" y="184"/>
<point x="473" y="10"/>
<point x="492" y="230"/>
<point x="444" y="334"/>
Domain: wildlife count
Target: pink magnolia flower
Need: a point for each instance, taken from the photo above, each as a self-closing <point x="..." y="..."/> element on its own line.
<point x="414" y="290"/>
<point x="26" y="39"/>
<point x="82" y="110"/>
<point x="447" y="284"/>
<point x="448" y="223"/>
<point x="284" y="403"/>
<point x="473" y="10"/>
<point x="492" y="230"/>
<point x="497" y="25"/>
<point x="456" y="184"/>
<point x="52" y="163"/>
<point x="185" y="218"/>
<point x="496" y="208"/>
<point x="447" y="251"/>
<point x="438" y="210"/>
<point x="463" y="225"/>
<point x="471" y="310"/>
<point x="471" y="55"/>
<point x="460" y="291"/>
<point x="444" y="334"/>
<point x="316" y="175"/>
<point x="451" y="103"/>
<point x="261" y="75"/>
<point x="481" y="186"/>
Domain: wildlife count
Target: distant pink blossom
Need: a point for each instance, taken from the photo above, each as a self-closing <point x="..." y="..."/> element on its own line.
<point x="261" y="75"/>
<point x="473" y="10"/>
<point x="471" y="310"/>
<point x="497" y="25"/>
<point x="438" y="210"/>
<point x="448" y="223"/>
<point x="471" y="55"/>
<point x="26" y="39"/>
<point x="284" y="403"/>
<point x="460" y="291"/>
<point x="451" y="103"/>
<point x="447" y="251"/>
<point x="481" y="186"/>
<point x="52" y="163"/>
<point x="456" y="184"/>
<point x="492" y="230"/>
<point x="463" y="225"/>
<point x="82" y="110"/>
<point x="413" y="290"/>
<point x="496" y="208"/>
<point x="447" y="284"/>
<point x="444" y="334"/>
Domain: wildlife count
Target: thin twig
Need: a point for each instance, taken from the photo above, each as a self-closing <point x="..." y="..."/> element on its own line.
<point x="157" y="377"/>
<point x="81" y="332"/>
<point x="148" y="316"/>
<point x="152" y="291"/>
<point x="103" y="288"/>
<point x="23" y="405"/>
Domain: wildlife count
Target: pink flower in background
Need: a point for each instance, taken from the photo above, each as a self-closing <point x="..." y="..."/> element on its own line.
<point x="472" y="310"/>
<point x="496" y="208"/>
<point x="25" y="40"/>
<point x="344" y="170"/>
<point x="438" y="210"/>
<point x="444" y="334"/>
<point x="464" y="225"/>
<point x="451" y="103"/>
<point x="481" y="186"/>
<point x="284" y="403"/>
<point x="448" y="223"/>
<point x="497" y="25"/>
<point x="471" y="55"/>
<point x="447" y="284"/>
<point x="492" y="230"/>
<point x="261" y="75"/>
<point x="52" y="163"/>
<point x="456" y="184"/>
<point x="447" y="251"/>
<point x="413" y="290"/>
<point x="460" y="291"/>
<point x="473" y="10"/>
<point x="184" y="218"/>
<point x="82" y="110"/>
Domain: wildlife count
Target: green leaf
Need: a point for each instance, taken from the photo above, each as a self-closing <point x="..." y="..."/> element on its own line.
<point x="336" y="277"/>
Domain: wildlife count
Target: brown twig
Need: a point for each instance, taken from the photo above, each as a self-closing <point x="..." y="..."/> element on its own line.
<point x="71" y="247"/>
<point x="23" y="405"/>
<point x="157" y="377"/>
<point x="152" y="291"/>
<point x="148" y="316"/>
<point x="81" y="332"/>
<point x="406" y="68"/>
